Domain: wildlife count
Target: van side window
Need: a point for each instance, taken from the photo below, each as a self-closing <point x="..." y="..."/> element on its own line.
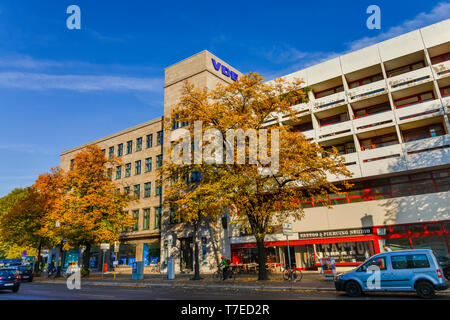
<point x="419" y="261"/>
<point x="379" y="262"/>
<point x="399" y="262"/>
<point x="410" y="261"/>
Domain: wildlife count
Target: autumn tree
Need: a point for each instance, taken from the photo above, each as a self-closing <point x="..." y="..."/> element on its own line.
<point x="22" y="224"/>
<point x="85" y="202"/>
<point x="8" y="247"/>
<point x="263" y="185"/>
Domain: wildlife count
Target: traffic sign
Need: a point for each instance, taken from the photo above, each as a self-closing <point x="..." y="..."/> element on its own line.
<point x="287" y="226"/>
<point x="104" y="246"/>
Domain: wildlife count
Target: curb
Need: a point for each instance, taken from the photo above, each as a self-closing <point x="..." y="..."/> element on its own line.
<point x="192" y="285"/>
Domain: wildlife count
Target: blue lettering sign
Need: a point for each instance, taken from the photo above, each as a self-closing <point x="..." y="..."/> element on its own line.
<point x="216" y="64"/>
<point x="225" y="71"/>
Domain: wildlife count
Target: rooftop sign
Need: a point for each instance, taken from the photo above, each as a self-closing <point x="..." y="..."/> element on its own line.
<point x="225" y="71"/>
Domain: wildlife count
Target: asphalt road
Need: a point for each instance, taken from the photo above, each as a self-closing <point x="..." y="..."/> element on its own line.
<point x="40" y="291"/>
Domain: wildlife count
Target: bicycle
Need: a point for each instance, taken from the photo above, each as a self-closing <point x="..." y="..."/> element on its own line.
<point x="218" y="274"/>
<point x="292" y="274"/>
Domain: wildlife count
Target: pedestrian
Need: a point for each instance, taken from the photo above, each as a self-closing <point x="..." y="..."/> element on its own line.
<point x="226" y="267"/>
<point x="386" y="248"/>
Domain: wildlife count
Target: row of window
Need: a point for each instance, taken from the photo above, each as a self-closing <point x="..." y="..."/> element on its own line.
<point x="139" y="141"/>
<point x="146" y="219"/>
<point x="147" y="190"/>
<point x="385" y="140"/>
<point x="379" y="76"/>
<point x="400" y="186"/>
<point x="138" y="167"/>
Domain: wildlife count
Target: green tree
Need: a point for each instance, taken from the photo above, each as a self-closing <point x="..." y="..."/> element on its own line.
<point x="22" y="224"/>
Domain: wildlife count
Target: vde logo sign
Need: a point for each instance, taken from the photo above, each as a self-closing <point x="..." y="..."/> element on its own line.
<point x="225" y="71"/>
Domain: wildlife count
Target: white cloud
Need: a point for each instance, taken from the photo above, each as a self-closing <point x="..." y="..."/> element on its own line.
<point x="301" y="60"/>
<point x="440" y="12"/>
<point x="43" y="81"/>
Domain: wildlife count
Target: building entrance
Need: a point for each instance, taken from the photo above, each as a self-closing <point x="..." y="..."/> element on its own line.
<point x="186" y="255"/>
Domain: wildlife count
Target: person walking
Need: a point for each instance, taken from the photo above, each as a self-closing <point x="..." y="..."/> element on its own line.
<point x="226" y="267"/>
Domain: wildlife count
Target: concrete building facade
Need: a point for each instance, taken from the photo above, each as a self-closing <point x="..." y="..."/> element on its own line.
<point x="384" y="107"/>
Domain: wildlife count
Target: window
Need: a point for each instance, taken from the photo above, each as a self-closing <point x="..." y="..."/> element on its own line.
<point x="195" y="176"/>
<point x="126" y="190"/>
<point x="416" y="228"/>
<point x="137" y="191"/>
<point x="344" y="148"/>
<point x="399" y="262"/>
<point x="159" y="138"/>
<point x="378" y="142"/>
<point x="138" y="144"/>
<point x="159" y="161"/>
<point x="419" y="261"/>
<point x="104" y="151"/>
<point x="379" y="262"/>
<point x="147" y="189"/>
<point x="445" y="91"/>
<point x="149" y="140"/>
<point x="404" y="69"/>
<point x="423" y="132"/>
<point x="433" y="227"/>
<point x="328" y="92"/>
<point x="146" y="220"/>
<point x="333" y="119"/>
<point x="148" y="164"/>
<point x="441" y="58"/>
<point x="118" y="172"/>
<point x="136" y="223"/>
<point x="137" y="166"/>
<point x="368" y="111"/>
<point x="365" y="81"/>
<point x="129" y="147"/>
<point x="158" y="217"/>
<point x="158" y="189"/>
<point x="415" y="99"/>
<point x="111" y="152"/>
<point x="120" y="150"/>
<point x="128" y="170"/>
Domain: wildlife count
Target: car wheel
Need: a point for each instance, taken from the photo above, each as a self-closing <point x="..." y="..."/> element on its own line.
<point x="353" y="289"/>
<point x="15" y="289"/>
<point x="425" y="289"/>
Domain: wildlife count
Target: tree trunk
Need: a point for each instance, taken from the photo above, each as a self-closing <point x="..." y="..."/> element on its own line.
<point x="262" y="272"/>
<point x="86" y="259"/>
<point x="196" y="262"/>
<point x="38" y="262"/>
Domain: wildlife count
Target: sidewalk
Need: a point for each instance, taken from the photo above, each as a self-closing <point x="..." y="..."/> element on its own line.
<point x="310" y="281"/>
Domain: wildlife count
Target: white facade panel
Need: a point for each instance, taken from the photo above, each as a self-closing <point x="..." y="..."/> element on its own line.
<point x="360" y="59"/>
<point x="401" y="45"/>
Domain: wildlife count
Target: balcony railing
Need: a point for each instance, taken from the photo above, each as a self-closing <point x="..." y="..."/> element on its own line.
<point x="330" y="101"/>
<point x="410" y="78"/>
<point x="428" y="152"/>
<point x="374" y="121"/>
<point x="382" y="160"/>
<point x="367" y="90"/>
<point x="334" y="130"/>
<point x="422" y="110"/>
<point x="442" y="69"/>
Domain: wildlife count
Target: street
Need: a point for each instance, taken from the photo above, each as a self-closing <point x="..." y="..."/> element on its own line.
<point x="43" y="291"/>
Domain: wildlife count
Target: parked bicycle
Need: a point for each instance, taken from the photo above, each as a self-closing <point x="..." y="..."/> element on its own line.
<point x="292" y="274"/>
<point x="231" y="274"/>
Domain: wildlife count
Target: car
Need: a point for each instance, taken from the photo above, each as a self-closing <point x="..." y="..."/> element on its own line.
<point x="444" y="261"/>
<point x="9" y="280"/>
<point x="404" y="270"/>
<point x="25" y="271"/>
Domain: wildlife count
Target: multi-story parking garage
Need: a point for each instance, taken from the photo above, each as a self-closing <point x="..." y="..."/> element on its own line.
<point x="384" y="107"/>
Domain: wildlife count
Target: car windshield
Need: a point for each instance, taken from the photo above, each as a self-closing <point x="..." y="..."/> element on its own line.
<point x="6" y="273"/>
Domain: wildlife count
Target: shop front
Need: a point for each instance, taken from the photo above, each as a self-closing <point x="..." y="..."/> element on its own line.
<point x="348" y="247"/>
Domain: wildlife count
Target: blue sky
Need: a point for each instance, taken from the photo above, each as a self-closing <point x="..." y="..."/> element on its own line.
<point x="60" y="88"/>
